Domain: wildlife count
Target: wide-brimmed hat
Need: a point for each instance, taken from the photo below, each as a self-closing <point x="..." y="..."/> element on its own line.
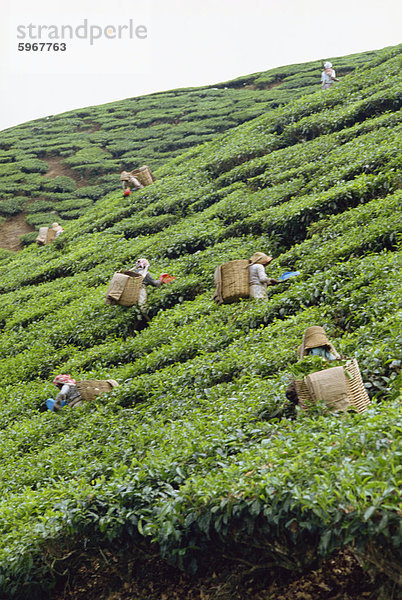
<point x="327" y="65"/>
<point x="112" y="382"/>
<point x="124" y="175"/>
<point x="260" y="257"/>
<point x="314" y="337"/>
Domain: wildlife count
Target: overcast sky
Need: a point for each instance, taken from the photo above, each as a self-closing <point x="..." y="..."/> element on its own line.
<point x="142" y="46"/>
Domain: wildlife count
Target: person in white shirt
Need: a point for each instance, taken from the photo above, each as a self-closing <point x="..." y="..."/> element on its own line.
<point x="258" y="280"/>
<point x="58" y="229"/>
<point x="328" y="76"/>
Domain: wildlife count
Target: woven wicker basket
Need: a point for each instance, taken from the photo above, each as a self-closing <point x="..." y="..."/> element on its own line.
<point x="130" y="294"/>
<point x="357" y="394"/>
<point x="144" y="175"/>
<point x="46" y="236"/>
<point x="91" y="388"/>
<point x="235" y="281"/>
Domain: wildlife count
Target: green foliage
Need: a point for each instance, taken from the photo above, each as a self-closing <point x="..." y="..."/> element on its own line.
<point x="40" y="206"/>
<point x="59" y="184"/>
<point x="312" y="364"/>
<point x="28" y="238"/>
<point x="96" y="143"/>
<point x="197" y="451"/>
<point x="87" y="156"/>
<point x="12" y="206"/>
<point x="92" y="191"/>
<point x="41" y="219"/>
<point x="33" y="165"/>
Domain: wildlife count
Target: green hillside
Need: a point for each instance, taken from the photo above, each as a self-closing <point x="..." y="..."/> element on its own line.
<point x="197" y="453"/>
<point x="56" y="168"/>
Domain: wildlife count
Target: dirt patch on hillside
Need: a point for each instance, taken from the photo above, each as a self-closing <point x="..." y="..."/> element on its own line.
<point x="56" y="169"/>
<point x="10" y="231"/>
<point x="339" y="578"/>
<point x="13" y="227"/>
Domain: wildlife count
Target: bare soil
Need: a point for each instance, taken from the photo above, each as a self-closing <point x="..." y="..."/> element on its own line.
<point x="13" y="227"/>
<point x="56" y="168"/>
<point x="10" y="231"/>
<point x="339" y="578"/>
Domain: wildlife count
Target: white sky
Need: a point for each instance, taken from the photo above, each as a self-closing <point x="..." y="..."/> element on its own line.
<point x="189" y="43"/>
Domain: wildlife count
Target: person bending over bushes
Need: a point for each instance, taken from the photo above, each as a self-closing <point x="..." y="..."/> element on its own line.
<point x="68" y="393"/>
<point x="315" y="343"/>
<point x="73" y="393"/>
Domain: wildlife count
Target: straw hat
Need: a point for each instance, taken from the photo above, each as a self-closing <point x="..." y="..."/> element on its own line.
<point x="124" y="175"/>
<point x="261" y="258"/>
<point x="112" y="382"/>
<point x="313" y="338"/>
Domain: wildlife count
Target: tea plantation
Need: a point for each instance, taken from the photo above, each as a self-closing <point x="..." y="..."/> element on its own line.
<point x="197" y="453"/>
<point x="56" y="168"/>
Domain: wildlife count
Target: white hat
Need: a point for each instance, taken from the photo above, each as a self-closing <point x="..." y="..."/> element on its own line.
<point x="327" y="65"/>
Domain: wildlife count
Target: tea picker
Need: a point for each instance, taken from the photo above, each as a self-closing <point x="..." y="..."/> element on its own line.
<point x="129" y="182"/>
<point x="58" y="229"/>
<point x="73" y="393"/>
<point x="68" y="393"/>
<point x="136" y="179"/>
<point x="328" y="76"/>
<point x="258" y="280"/>
<point x="141" y="267"/>
<point x="47" y="235"/>
<point x="239" y="279"/>
<point x="127" y="287"/>
<point x="321" y="375"/>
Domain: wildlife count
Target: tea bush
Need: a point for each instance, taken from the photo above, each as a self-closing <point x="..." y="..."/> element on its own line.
<point x="12" y="206"/>
<point x="197" y="452"/>
<point x="99" y="141"/>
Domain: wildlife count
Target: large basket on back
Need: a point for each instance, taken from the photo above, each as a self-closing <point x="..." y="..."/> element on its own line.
<point x="46" y="235"/>
<point x="357" y="394"/>
<point x="124" y="288"/>
<point x="144" y="175"/>
<point x="90" y="388"/>
<point x="234" y="281"/>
